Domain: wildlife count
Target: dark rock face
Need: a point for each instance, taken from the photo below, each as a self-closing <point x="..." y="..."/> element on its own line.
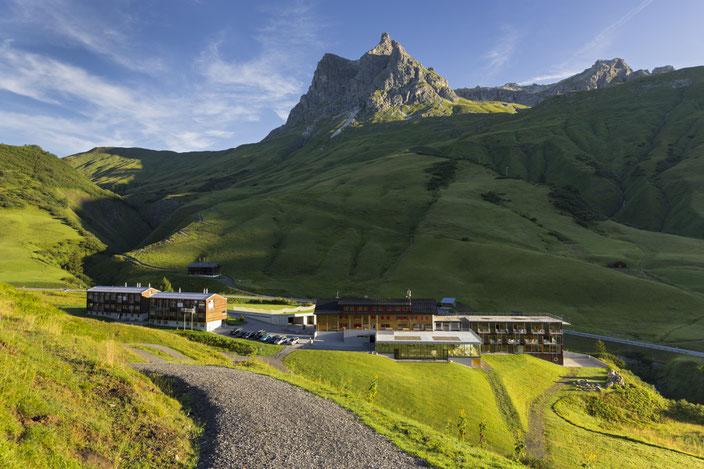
<point x="384" y="78"/>
<point x="600" y="75"/>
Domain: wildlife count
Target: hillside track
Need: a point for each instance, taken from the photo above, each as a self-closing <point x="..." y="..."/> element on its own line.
<point x="253" y="420"/>
<point x="535" y="440"/>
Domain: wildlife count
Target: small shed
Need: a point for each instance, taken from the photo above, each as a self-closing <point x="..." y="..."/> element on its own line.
<point x="204" y="269"/>
<point x="448" y="302"/>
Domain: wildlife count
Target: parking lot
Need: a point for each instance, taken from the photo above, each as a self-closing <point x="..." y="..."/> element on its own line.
<point x="304" y="333"/>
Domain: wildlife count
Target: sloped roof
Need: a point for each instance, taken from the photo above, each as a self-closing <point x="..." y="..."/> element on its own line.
<point x="99" y="289"/>
<point x="203" y="264"/>
<point x="183" y="295"/>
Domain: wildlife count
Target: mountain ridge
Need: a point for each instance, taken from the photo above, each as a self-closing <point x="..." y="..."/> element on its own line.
<point x="602" y="74"/>
<point x="385" y="83"/>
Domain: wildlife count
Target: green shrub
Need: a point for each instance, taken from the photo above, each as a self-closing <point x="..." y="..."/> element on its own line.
<point x="214" y="340"/>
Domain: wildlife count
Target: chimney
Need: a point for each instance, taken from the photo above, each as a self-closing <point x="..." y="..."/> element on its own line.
<point x="125" y="283"/>
<point x="150" y="284"/>
<point x="179" y="289"/>
<point x="139" y="285"/>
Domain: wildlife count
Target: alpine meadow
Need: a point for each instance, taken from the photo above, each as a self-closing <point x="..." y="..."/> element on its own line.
<point x="401" y="274"/>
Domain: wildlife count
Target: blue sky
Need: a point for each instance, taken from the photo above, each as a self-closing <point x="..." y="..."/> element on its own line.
<point x="200" y="74"/>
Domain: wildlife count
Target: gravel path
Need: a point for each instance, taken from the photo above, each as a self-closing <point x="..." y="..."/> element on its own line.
<point x="166" y="350"/>
<point x="276" y="360"/>
<point x="254" y="421"/>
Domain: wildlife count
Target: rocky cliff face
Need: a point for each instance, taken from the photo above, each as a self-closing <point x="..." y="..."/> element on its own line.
<point x="602" y="74"/>
<point x="383" y="80"/>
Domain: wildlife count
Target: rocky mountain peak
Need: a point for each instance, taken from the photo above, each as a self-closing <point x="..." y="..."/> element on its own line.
<point x="385" y="46"/>
<point x="382" y="81"/>
<point x="600" y="75"/>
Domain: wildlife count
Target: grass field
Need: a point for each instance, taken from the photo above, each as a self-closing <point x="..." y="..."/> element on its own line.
<point x="626" y="427"/>
<point x="425" y="392"/>
<point x="48" y="443"/>
<point x="68" y="398"/>
<point x="432" y="394"/>
<point x="24" y="234"/>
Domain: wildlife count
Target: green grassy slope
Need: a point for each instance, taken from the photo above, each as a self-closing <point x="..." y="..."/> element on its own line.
<point x="425" y="204"/>
<point x="68" y="399"/>
<point x="52" y="217"/>
<point x="431" y="392"/>
<point x="440" y="449"/>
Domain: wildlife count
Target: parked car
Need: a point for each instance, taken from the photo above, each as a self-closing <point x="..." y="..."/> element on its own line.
<point x="280" y="340"/>
<point x="265" y="338"/>
<point x="259" y="334"/>
<point x="273" y="339"/>
<point x="236" y="332"/>
<point x="249" y="335"/>
<point x="294" y="340"/>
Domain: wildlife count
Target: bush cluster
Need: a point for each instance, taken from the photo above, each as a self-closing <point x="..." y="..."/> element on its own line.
<point x="568" y="199"/>
<point x="627" y="404"/>
<point x="214" y="340"/>
<point x="442" y="174"/>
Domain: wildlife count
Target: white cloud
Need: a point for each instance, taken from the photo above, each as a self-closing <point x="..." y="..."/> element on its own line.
<point x="69" y="107"/>
<point x="503" y="50"/>
<point x="85" y="25"/>
<point x="591" y="51"/>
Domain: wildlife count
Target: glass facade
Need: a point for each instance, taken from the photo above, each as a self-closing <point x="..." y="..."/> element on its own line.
<point x="437" y="351"/>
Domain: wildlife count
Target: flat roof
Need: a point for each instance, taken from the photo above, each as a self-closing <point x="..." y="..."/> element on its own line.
<point x="183" y="295"/>
<point x="332" y="305"/>
<point x="203" y="264"/>
<point x="448" y="300"/>
<point x="119" y="289"/>
<point x="500" y="318"/>
<point x="427" y="337"/>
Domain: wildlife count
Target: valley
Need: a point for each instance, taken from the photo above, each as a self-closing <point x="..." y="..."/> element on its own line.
<point x="582" y="199"/>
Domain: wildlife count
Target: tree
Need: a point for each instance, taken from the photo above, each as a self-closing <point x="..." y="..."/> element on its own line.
<point x="600" y="347"/>
<point x="462" y="425"/>
<point x="165" y="285"/>
<point x="482" y="433"/>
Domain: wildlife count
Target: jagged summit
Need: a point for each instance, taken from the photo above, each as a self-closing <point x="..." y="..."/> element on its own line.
<point x="600" y="75"/>
<point x="385" y="80"/>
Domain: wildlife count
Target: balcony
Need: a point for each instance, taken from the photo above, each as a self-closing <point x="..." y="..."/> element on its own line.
<point x="519" y="331"/>
<point x="483" y="330"/>
<point x="501" y="331"/>
<point x="555" y="331"/>
<point x="537" y="331"/>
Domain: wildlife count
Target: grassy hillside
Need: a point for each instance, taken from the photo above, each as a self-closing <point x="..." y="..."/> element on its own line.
<point x="52" y="217"/>
<point x="439" y="448"/>
<point x="426" y="204"/>
<point x="429" y="393"/>
<point x="68" y="398"/>
<point x="433" y="394"/>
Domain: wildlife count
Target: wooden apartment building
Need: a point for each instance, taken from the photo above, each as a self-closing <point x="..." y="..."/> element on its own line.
<point x="367" y="314"/>
<point x="120" y="303"/>
<point x="539" y="335"/>
<point x="206" y="311"/>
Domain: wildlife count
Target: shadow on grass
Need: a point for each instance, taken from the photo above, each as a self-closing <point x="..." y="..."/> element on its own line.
<point x="195" y="404"/>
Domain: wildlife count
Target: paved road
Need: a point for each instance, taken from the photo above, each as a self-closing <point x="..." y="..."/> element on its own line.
<point x="638" y="344"/>
<point x="256" y="421"/>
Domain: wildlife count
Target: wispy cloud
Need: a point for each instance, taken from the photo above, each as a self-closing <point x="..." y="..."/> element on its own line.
<point x="591" y="50"/>
<point x="70" y="108"/>
<point x="503" y="50"/>
<point x="85" y="25"/>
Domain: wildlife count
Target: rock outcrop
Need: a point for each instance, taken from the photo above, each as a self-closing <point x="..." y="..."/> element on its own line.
<point x="384" y="79"/>
<point x="600" y="75"/>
